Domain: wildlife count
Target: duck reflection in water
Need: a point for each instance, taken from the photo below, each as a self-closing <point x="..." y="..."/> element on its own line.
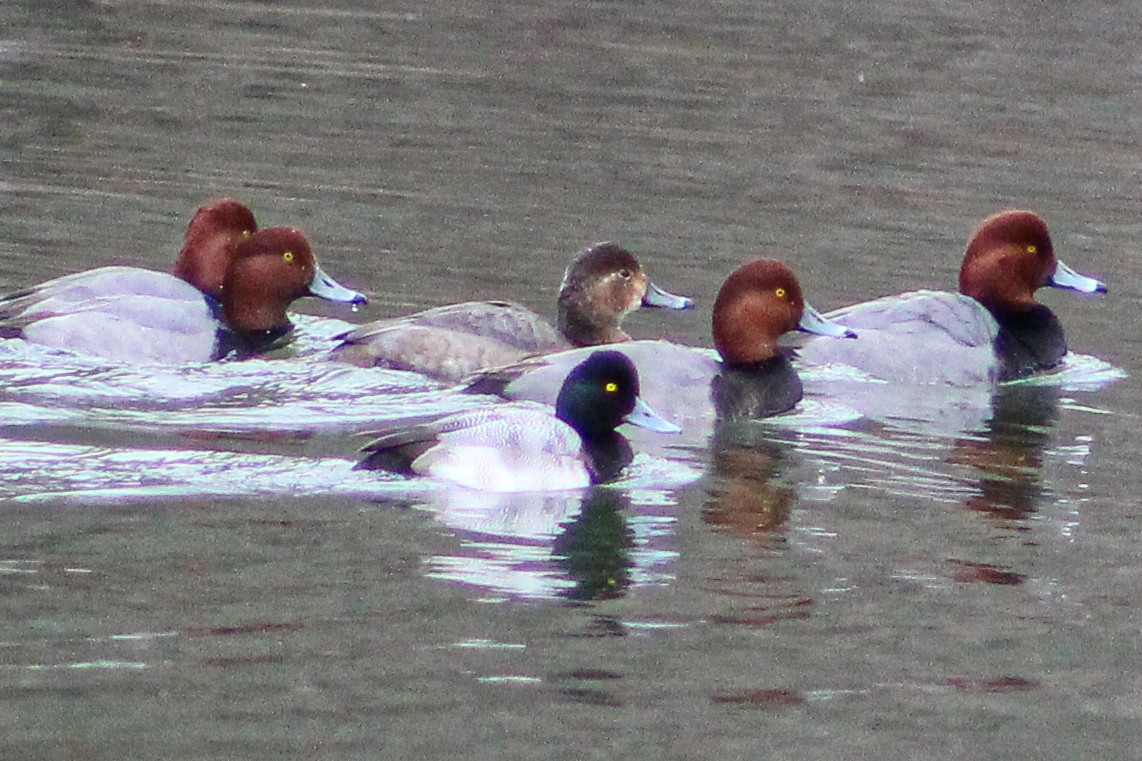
<point x="594" y="550"/>
<point x="748" y="498"/>
<point x="572" y="545"/>
<point x="1009" y="457"/>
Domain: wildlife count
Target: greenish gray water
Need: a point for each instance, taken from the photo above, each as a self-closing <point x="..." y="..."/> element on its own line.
<point x="180" y="582"/>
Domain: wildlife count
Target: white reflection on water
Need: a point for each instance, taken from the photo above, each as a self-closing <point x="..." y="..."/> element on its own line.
<point x="516" y="545"/>
<point x="941" y="410"/>
<point x="300" y="394"/>
<point x="83" y="430"/>
<point x="34" y="470"/>
<point x="38" y="471"/>
<point x="584" y="545"/>
<point x="1009" y="466"/>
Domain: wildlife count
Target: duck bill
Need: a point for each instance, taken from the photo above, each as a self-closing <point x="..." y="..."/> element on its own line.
<point x="327" y="288"/>
<point x="1065" y="277"/>
<point x="644" y="417"/>
<point x="813" y="322"/>
<point x="656" y="297"/>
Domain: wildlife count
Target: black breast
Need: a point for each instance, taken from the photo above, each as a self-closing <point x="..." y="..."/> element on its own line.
<point x="249" y="343"/>
<point x="1028" y="341"/>
<point x="756" y="391"/>
<point x="607" y="455"/>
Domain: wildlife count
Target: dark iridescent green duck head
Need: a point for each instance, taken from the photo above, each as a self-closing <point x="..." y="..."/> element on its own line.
<point x="601" y="393"/>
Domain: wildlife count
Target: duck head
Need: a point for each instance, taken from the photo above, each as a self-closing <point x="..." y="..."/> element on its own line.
<point x="601" y="286"/>
<point x="601" y="393"/>
<point x="272" y="268"/>
<point x="756" y="305"/>
<point x="208" y="247"/>
<point x="1009" y="257"/>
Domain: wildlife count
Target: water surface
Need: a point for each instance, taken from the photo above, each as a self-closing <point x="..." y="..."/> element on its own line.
<point x="191" y="569"/>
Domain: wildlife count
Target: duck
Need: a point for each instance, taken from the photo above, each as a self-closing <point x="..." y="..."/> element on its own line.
<point x="993" y="330"/>
<point x="601" y="285"/>
<point x="526" y="446"/>
<point x="228" y="295"/>
<point x="748" y="376"/>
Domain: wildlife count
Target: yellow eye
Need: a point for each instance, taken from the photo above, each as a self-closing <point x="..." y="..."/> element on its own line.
<point x="246" y="233"/>
<point x="288" y="256"/>
<point x="611" y="387"/>
<point x="1032" y="249"/>
<point x="779" y="293"/>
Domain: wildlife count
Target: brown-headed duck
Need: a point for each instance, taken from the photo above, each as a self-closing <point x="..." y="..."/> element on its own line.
<point x="600" y="287"/>
<point x="992" y="330"/>
<point x="756" y="305"/>
<point x="231" y="287"/>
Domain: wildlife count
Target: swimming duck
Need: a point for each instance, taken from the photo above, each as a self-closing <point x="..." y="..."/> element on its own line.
<point x="992" y="330"/>
<point x="756" y="305"/>
<point x="600" y="287"/>
<point x="135" y="314"/>
<point x="524" y="446"/>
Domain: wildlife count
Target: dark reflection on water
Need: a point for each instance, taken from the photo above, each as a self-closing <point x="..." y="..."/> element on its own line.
<point x="593" y="550"/>
<point x="1009" y="456"/>
<point x="749" y="498"/>
<point x="1008" y="463"/>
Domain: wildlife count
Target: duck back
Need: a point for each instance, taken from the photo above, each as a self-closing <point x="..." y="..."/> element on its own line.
<point x="920" y="337"/>
<point x="118" y="313"/>
<point x="675" y="379"/>
<point x="451" y="342"/>
<point x="504" y="321"/>
<point x="505" y="448"/>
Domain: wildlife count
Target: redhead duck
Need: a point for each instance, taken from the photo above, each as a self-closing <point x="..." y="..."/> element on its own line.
<point x="600" y="287"/>
<point x="992" y="330"/>
<point x="756" y="305"/>
<point x="206" y="247"/>
<point x="130" y="313"/>
<point x="524" y="446"/>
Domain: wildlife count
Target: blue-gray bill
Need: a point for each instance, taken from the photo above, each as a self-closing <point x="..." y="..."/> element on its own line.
<point x="644" y="417"/>
<point x="1065" y="277"/>
<point x="656" y="297"/>
<point x="813" y="322"/>
<point x="327" y="288"/>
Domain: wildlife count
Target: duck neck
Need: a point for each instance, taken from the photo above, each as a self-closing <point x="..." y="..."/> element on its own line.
<point x="750" y="391"/>
<point x="253" y="310"/>
<point x="1030" y="339"/>
<point x="608" y="454"/>
<point x="248" y="343"/>
<point x="584" y="326"/>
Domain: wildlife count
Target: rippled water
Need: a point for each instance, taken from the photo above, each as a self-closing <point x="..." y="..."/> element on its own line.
<point x="190" y="567"/>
